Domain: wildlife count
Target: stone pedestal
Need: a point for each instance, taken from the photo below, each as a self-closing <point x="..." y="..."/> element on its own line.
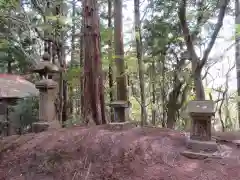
<point x="201" y="146"/>
<point x="200" y="141"/>
<point x="121" y="109"/>
<point x="120" y="126"/>
<point x="47" y="109"/>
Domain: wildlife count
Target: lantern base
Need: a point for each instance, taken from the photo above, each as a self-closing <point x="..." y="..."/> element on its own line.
<point x="202" y="146"/>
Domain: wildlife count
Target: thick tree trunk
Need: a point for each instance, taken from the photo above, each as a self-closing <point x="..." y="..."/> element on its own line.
<point x="171" y="116"/>
<point x="93" y="109"/>
<point x="237" y="53"/>
<point x="198" y="84"/>
<point x="140" y="63"/>
<point x="173" y="105"/>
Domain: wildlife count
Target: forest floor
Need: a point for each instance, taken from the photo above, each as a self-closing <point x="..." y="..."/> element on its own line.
<point x="101" y="153"/>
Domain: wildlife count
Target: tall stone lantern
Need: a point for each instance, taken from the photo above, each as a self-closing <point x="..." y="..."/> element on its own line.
<point x="47" y="93"/>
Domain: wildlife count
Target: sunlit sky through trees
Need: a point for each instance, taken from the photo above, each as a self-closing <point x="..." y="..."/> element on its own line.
<point x="220" y="52"/>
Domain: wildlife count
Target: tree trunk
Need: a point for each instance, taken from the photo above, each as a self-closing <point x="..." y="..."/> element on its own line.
<point x="122" y="94"/>
<point x="171" y="115"/>
<point x="72" y="52"/>
<point x="110" y="59"/>
<point x="163" y="93"/>
<point x="65" y="103"/>
<point x="93" y="102"/>
<point x="9" y="65"/>
<point x="198" y="84"/>
<point x="153" y="76"/>
<point x="82" y="71"/>
<point x="62" y="61"/>
<point x="237" y="53"/>
<point x="172" y="105"/>
<point x="197" y="63"/>
<point x="140" y="63"/>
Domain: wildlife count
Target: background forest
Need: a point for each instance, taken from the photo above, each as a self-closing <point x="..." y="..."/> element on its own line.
<point x="170" y="51"/>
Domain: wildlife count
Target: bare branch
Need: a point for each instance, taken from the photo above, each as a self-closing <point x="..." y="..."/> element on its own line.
<point x="186" y="31"/>
<point x="199" y="19"/>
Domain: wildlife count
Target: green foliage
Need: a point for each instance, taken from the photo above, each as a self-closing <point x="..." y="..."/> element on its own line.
<point x="73" y="74"/>
<point x="74" y="120"/>
<point x="24" y="113"/>
<point x="237" y="29"/>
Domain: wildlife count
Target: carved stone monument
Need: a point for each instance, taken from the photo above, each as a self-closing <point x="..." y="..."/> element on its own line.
<point x="47" y="88"/>
<point x="200" y="141"/>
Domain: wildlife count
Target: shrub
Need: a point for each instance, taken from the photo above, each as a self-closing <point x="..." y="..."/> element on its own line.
<point x="24" y="113"/>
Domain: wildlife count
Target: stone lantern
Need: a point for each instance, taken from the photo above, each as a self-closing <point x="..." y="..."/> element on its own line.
<point x="120" y="110"/>
<point x="200" y="141"/>
<point x="47" y="94"/>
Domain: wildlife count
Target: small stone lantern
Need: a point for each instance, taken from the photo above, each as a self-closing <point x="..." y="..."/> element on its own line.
<point x="201" y="113"/>
<point x="47" y="88"/>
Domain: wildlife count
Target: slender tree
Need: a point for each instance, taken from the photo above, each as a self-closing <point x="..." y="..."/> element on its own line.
<point x="73" y="51"/>
<point x="122" y="94"/>
<point x="138" y="36"/>
<point x="189" y="37"/>
<point x="110" y="67"/>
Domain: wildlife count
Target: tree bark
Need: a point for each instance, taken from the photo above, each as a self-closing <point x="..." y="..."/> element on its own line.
<point x="198" y="84"/>
<point x="110" y="58"/>
<point x="93" y="109"/>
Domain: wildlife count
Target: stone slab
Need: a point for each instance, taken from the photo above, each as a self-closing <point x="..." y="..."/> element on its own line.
<point x="236" y="142"/>
<point x="38" y="127"/>
<point x="198" y="146"/>
<point x="120" y="104"/>
<point x="199" y="155"/>
<point x="196" y="106"/>
<point x="120" y="126"/>
<point x="46" y="84"/>
<point x="41" y="126"/>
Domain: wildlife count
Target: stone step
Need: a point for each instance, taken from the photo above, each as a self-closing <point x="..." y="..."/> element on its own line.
<point x="198" y="146"/>
<point x="199" y="155"/>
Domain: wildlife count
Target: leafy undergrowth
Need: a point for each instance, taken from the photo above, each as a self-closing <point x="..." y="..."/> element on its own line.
<point x="98" y="153"/>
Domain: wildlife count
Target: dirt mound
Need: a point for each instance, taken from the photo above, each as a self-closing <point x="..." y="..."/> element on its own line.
<point x="99" y="153"/>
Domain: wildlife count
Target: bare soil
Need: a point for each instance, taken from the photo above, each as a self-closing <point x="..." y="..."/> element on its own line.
<point x="100" y="153"/>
